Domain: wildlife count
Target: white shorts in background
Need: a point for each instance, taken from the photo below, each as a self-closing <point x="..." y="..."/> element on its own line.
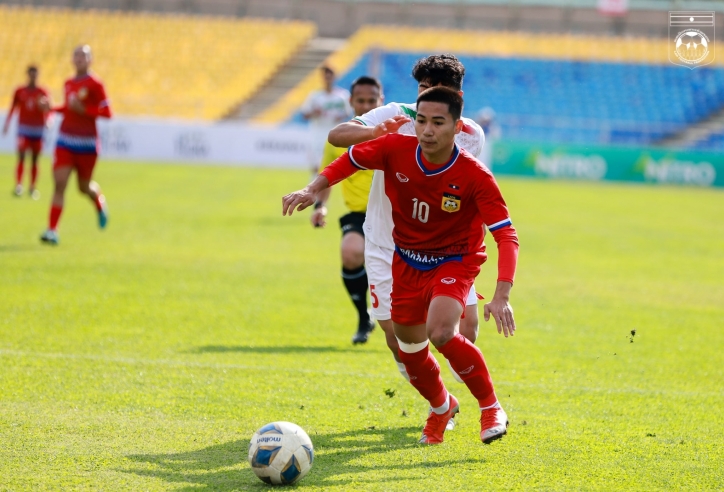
<point x="378" y="264"/>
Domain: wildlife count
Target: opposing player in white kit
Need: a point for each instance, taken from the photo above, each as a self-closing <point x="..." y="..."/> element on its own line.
<point x="435" y="70"/>
<point x="324" y="109"/>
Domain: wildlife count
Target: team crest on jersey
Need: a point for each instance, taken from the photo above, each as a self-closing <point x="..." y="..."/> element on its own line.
<point x="450" y="202"/>
<point x="82" y="93"/>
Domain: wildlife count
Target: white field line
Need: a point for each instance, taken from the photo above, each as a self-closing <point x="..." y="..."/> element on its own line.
<point x="326" y="372"/>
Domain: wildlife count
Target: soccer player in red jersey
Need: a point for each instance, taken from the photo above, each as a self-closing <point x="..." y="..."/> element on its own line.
<point x="441" y="197"/>
<point x="32" y="104"/>
<point x="77" y="145"/>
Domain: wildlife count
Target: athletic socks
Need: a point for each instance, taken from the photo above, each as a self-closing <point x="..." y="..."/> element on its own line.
<point x="99" y="200"/>
<point x="33" y="176"/>
<point x="403" y="371"/>
<point x="355" y="281"/>
<point x="55" y="212"/>
<point x="424" y="372"/>
<point x="467" y="361"/>
<point x="19" y="173"/>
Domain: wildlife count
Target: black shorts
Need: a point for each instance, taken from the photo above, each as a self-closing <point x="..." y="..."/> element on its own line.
<point x="352" y="222"/>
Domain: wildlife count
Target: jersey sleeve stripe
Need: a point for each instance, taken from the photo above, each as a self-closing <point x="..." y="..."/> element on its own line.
<point x="360" y="121"/>
<point x="500" y="225"/>
<point x="354" y="163"/>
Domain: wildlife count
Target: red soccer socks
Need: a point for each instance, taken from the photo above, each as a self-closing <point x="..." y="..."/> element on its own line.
<point x="55" y="212"/>
<point x="467" y="360"/>
<point x="424" y="372"/>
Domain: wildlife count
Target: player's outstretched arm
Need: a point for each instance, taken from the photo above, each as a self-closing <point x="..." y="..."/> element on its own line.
<point x="501" y="310"/>
<point x="299" y="200"/>
<point x="13" y="106"/>
<point x="351" y="133"/>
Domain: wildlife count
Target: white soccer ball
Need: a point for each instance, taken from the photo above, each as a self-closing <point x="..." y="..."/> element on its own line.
<point x="281" y="453"/>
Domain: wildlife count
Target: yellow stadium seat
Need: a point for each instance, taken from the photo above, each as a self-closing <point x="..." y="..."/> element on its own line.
<point x="162" y="65"/>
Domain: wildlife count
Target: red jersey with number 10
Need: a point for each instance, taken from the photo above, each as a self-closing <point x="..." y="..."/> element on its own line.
<point x="438" y="210"/>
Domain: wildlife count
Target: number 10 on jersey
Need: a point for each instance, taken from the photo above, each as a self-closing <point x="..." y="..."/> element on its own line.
<point x="420" y="210"/>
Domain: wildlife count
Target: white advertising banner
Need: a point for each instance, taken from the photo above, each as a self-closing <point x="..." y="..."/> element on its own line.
<point x="197" y="142"/>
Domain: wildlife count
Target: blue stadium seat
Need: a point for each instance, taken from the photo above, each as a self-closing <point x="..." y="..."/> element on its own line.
<point x="569" y="101"/>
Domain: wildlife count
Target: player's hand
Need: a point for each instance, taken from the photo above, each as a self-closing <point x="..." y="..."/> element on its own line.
<point x="44" y="104"/>
<point x="299" y="200"/>
<point x="502" y="312"/>
<point x="318" y="217"/>
<point x="390" y="125"/>
<point x="75" y="104"/>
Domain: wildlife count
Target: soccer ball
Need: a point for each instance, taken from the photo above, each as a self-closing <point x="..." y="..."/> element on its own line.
<point x="281" y="453"/>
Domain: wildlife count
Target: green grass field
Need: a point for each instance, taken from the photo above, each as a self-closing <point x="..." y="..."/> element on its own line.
<point x="144" y="357"/>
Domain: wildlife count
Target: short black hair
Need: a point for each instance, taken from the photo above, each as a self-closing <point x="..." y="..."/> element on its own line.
<point x="327" y="69"/>
<point x="443" y="69"/>
<point x="444" y="95"/>
<point x="32" y="68"/>
<point x="365" y="80"/>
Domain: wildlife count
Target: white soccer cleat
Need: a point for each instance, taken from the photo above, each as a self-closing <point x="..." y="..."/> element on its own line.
<point x="454" y="374"/>
<point x="493" y="424"/>
<point x="18" y="190"/>
<point x="50" y="237"/>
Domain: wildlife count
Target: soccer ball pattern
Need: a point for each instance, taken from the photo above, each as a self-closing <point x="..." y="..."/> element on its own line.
<point x="281" y="453"/>
<point x="691" y="46"/>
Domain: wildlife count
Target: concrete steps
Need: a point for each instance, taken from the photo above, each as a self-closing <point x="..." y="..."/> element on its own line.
<point x="304" y="62"/>
<point x="696" y="132"/>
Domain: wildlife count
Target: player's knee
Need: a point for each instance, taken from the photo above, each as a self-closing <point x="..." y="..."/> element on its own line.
<point x="84" y="187"/>
<point x="441" y="333"/>
<point x="353" y="256"/>
<point x="469" y="324"/>
<point x="352" y="261"/>
<point x="390" y="337"/>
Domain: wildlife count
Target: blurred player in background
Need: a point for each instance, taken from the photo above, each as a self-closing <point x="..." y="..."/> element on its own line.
<point x="442" y="199"/>
<point x="435" y="70"/>
<point x="324" y="109"/>
<point x="33" y="106"/>
<point x="366" y="95"/>
<point x="486" y="119"/>
<point x="77" y="145"/>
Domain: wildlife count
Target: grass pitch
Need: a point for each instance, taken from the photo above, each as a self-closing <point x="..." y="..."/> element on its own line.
<point x="144" y="357"/>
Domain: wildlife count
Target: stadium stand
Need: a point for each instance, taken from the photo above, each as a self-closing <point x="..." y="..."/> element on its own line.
<point x="543" y="88"/>
<point x="714" y="142"/>
<point x="152" y="64"/>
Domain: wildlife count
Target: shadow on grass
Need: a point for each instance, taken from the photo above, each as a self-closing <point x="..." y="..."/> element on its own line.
<point x="10" y="248"/>
<point x="278" y="349"/>
<point x="224" y="466"/>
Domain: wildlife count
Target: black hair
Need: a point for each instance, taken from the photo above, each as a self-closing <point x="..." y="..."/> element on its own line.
<point x="365" y="80"/>
<point x="328" y="69"/>
<point x="444" y="95"/>
<point x="443" y="69"/>
<point x="32" y="68"/>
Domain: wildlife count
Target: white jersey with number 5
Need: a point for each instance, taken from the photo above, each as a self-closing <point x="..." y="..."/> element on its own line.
<point x="378" y="222"/>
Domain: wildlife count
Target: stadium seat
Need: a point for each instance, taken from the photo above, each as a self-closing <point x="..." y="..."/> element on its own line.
<point x="152" y="64"/>
<point x="558" y="88"/>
